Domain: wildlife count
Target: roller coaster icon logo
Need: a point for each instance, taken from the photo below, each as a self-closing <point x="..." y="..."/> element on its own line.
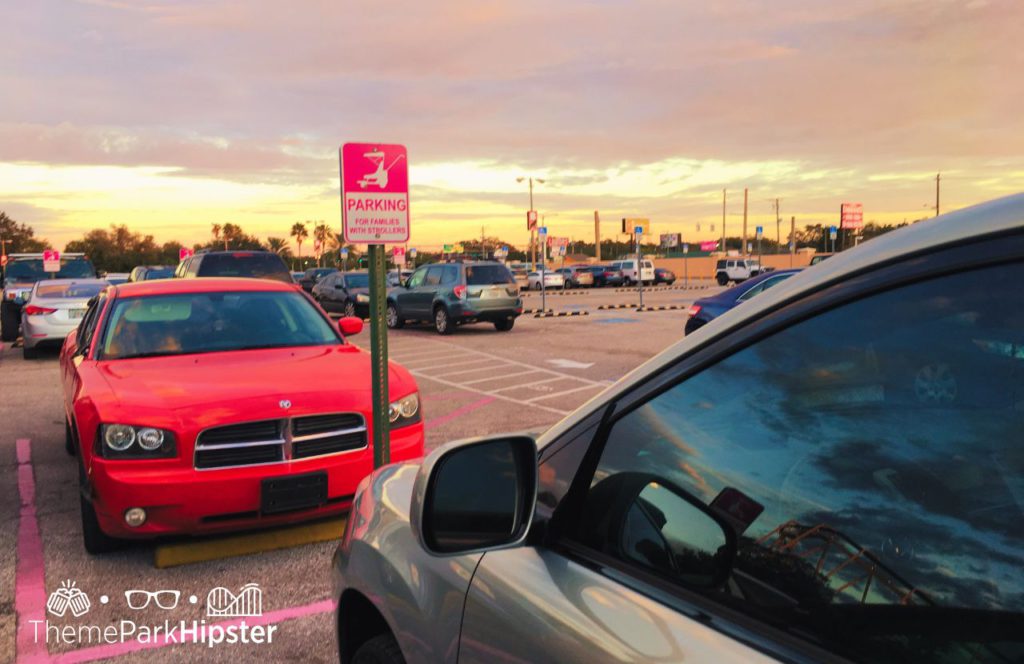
<point x="247" y="603"/>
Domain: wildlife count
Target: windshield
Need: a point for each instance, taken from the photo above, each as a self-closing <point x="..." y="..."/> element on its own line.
<point x="359" y="280"/>
<point x="244" y="264"/>
<point x="69" y="291"/>
<point x="213" y="322"/>
<point x="487" y="275"/>
<point x="159" y="273"/>
<point x="31" y="270"/>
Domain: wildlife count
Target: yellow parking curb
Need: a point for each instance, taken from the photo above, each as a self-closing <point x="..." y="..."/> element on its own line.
<point x="229" y="546"/>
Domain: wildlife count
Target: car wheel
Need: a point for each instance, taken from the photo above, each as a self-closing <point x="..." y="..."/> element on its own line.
<point x="350" y="308"/>
<point x="69" y="439"/>
<point x="29" y="353"/>
<point x="95" y="540"/>
<point x="391" y="317"/>
<point x="9" y="323"/>
<point x="722" y="279"/>
<point x="442" y="322"/>
<point x="381" y="649"/>
<point x="627" y="282"/>
<point x="504" y="325"/>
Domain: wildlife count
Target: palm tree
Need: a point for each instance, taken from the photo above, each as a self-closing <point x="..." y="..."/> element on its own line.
<point x="216" y="233"/>
<point x="279" y="246"/>
<point x="321" y="233"/>
<point x="300" y="233"/>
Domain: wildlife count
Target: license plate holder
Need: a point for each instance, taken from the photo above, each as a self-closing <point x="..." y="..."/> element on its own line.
<point x="294" y="492"/>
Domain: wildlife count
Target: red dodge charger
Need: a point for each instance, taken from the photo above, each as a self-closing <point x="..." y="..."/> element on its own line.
<point x="205" y="405"/>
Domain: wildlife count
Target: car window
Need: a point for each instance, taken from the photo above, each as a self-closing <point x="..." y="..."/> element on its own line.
<point x="327" y="281"/>
<point x="450" y="276"/>
<point x="212" y="322"/>
<point x="720" y="265"/>
<point x="157" y="273"/>
<point x="433" y="276"/>
<point x="416" y="279"/>
<point x="245" y="264"/>
<point x="763" y="286"/>
<point x="870" y="460"/>
<point x="648" y="264"/>
<point x="193" y="266"/>
<point x="88" y="324"/>
<point x="357" y="280"/>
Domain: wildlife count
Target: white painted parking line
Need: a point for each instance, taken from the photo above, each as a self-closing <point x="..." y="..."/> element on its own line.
<point x="570" y="364"/>
<point x="448" y="365"/>
<point x="465" y="371"/>
<point x="511" y="375"/>
<point x="460" y="386"/>
<point x="534" y="382"/>
<point x="561" y="393"/>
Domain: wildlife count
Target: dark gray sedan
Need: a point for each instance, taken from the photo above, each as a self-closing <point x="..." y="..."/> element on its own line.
<point x="346" y="293"/>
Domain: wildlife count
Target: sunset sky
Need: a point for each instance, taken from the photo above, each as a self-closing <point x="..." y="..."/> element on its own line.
<point x="171" y="116"/>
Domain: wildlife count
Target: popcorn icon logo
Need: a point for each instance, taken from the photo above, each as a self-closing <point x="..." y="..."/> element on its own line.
<point x="68" y="597"/>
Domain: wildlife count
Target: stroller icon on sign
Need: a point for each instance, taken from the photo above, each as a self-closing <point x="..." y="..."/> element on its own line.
<point x="378" y="177"/>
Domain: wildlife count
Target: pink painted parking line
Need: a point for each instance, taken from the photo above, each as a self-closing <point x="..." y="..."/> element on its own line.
<point x="30" y="580"/>
<point x="457" y="413"/>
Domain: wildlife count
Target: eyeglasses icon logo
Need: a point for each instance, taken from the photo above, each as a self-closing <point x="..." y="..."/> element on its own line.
<point x="140" y="599"/>
<point x="222" y="603"/>
<point x="68" y="597"/>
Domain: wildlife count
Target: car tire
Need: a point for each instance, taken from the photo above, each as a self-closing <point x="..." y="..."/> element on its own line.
<point x="627" y="282"/>
<point x="442" y="322"/>
<point x="9" y="322"/>
<point x="69" y="439"/>
<point x="350" y="308"/>
<point x="29" y="353"/>
<point x="504" y="325"/>
<point x="93" y="538"/>
<point x="721" y="279"/>
<point x="381" y="649"/>
<point x="391" y="317"/>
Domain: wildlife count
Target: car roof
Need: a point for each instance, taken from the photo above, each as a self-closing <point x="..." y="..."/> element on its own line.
<point x="202" y="285"/>
<point x="1000" y="215"/>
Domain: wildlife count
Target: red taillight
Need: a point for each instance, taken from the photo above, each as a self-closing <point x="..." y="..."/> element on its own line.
<point x="693" y="310"/>
<point x="33" y="310"/>
<point x="460" y="292"/>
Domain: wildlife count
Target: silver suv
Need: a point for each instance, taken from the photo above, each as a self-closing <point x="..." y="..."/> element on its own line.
<point x="831" y="472"/>
<point x="736" y="270"/>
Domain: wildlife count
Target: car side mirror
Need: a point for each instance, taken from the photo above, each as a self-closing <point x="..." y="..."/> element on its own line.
<point x="350" y="325"/>
<point x="661" y="527"/>
<point x="475" y="495"/>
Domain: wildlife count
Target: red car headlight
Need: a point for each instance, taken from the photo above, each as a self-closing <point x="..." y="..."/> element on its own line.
<point x="127" y="441"/>
<point x="405" y="411"/>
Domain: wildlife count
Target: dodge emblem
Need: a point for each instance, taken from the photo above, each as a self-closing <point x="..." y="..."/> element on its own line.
<point x="284" y="403"/>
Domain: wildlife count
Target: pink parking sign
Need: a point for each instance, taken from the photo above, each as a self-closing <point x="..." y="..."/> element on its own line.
<point x="374" y="193"/>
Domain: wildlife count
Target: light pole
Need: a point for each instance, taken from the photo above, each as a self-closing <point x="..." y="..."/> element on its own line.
<point x="533" y="245"/>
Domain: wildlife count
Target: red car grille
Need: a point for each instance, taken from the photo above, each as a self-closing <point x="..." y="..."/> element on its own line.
<point x="276" y="441"/>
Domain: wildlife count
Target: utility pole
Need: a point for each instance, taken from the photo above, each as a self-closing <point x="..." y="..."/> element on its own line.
<point x="792" y="239"/>
<point x="597" y="235"/>
<point x="938" y="177"/>
<point x="723" y="221"/>
<point x="483" y="253"/>
<point x="778" y="222"/>
<point x="533" y="232"/>
<point x="743" y="249"/>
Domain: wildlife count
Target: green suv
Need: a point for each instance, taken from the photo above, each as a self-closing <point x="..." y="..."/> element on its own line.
<point x="451" y="294"/>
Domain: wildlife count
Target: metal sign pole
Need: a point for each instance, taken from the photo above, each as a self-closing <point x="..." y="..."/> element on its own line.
<point x="640" y="270"/>
<point x="379" y="356"/>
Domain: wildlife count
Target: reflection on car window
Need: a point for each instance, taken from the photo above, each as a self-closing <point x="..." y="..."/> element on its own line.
<point x="433" y="276"/>
<point x="883" y="441"/>
<point x="212" y="322"/>
<point x="451" y="275"/>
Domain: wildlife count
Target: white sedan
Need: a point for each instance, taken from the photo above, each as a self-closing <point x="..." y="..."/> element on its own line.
<point x="54" y="308"/>
<point x="551" y="280"/>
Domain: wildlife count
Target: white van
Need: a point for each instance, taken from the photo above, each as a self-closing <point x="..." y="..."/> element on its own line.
<point x="629" y="275"/>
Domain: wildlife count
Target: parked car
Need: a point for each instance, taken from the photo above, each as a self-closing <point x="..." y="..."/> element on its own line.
<point x="812" y="479"/>
<point x="207" y="405"/>
<point x="313" y="275"/>
<point x="706" y="309"/>
<point x="22" y="273"/>
<point x="116" y="278"/>
<point x="296" y="276"/>
<point x="577" y="276"/>
<point x="396" y="278"/>
<point x="663" y="275"/>
<point x="552" y="279"/>
<point x="249" y="264"/>
<point x="344" y="292"/>
<point x="453" y="294"/>
<point x="147" y="272"/>
<point x="630" y="276"/>
<point x="522" y="278"/>
<point x="736" y="270"/>
<point x="54" y="308"/>
<point x="606" y="275"/>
